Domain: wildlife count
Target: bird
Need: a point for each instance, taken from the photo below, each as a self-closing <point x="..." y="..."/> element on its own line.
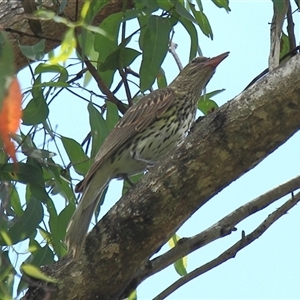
<point x="146" y="133"/>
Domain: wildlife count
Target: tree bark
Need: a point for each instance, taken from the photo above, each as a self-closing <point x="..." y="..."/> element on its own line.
<point x="13" y="20"/>
<point x="222" y="147"/>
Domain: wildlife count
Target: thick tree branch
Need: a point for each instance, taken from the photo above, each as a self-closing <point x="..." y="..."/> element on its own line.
<point x="234" y="249"/>
<point x="223" y="146"/>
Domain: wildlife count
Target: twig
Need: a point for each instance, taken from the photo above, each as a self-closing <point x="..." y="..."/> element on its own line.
<point x="102" y="86"/>
<point x="133" y="73"/>
<point x="233" y="250"/>
<point x="37" y="36"/>
<point x="290" y="28"/>
<point x="126" y="86"/>
<point x="172" y="50"/>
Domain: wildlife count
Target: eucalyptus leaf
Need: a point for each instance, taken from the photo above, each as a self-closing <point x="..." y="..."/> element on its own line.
<point x="155" y="47"/>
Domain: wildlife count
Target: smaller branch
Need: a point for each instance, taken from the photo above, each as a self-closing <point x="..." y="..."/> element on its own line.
<point x="102" y="86"/>
<point x="75" y="78"/>
<point x="276" y="29"/>
<point x="131" y="72"/>
<point x="233" y="250"/>
<point x="117" y="87"/>
<point x="126" y="86"/>
<point x="172" y="50"/>
<point x="290" y="28"/>
<point x="37" y="36"/>
<point x="223" y="227"/>
<point x="220" y="229"/>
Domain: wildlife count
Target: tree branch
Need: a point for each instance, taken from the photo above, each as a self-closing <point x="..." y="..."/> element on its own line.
<point x="233" y="250"/>
<point x="220" y="229"/>
<point x="102" y="86"/>
<point x="280" y="10"/>
<point x="290" y="28"/>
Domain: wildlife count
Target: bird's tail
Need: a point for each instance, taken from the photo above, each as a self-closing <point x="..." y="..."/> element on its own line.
<point x="80" y="221"/>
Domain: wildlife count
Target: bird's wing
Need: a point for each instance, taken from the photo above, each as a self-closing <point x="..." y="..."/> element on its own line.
<point x="136" y="119"/>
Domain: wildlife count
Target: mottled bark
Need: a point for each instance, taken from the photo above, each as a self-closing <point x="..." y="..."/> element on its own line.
<point x="13" y="20"/>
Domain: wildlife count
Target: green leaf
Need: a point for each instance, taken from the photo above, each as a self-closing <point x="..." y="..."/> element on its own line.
<point x="133" y="295"/>
<point x="64" y="218"/>
<point x="99" y="129"/>
<point x="7" y="273"/>
<point x="34" y="52"/>
<point x="24" y="173"/>
<point x="24" y="226"/>
<point x="284" y="44"/>
<point x="66" y="48"/>
<point x="190" y="28"/>
<point x="46" y="68"/>
<point x="94" y="8"/>
<point x="207" y="106"/>
<point x="155" y="48"/>
<point x="225" y="4"/>
<point x="279" y="5"/>
<point x="41" y="255"/>
<point x="181" y="264"/>
<point x="38" y="192"/>
<point x="147" y="6"/>
<point x="112" y="116"/>
<point x="119" y="59"/>
<point x="6" y="65"/>
<point x="36" y="111"/>
<point x="184" y="12"/>
<point x="167" y="5"/>
<point x="105" y="46"/>
<point x="161" y="79"/>
<point x="143" y="21"/>
<point x="61" y="185"/>
<point x="35" y="272"/>
<point x="78" y="158"/>
<point x="202" y="21"/>
<point x="54" y="228"/>
<point x="199" y="3"/>
<point x="15" y="201"/>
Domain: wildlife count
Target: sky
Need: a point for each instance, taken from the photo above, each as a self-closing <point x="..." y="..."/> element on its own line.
<point x="269" y="268"/>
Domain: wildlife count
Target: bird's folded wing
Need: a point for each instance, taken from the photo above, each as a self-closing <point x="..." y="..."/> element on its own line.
<point x="136" y="119"/>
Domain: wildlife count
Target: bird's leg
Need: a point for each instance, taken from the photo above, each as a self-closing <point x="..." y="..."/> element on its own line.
<point x="126" y="178"/>
<point x="147" y="162"/>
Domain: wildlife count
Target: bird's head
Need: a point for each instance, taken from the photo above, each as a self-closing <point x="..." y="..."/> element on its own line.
<point x="197" y="73"/>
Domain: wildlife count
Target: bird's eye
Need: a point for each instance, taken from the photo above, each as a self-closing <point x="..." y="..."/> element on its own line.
<point x="194" y="60"/>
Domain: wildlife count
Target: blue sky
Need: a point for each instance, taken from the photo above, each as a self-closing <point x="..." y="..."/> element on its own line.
<point x="270" y="267"/>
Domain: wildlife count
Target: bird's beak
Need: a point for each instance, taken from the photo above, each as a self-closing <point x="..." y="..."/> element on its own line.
<point x="214" y="61"/>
